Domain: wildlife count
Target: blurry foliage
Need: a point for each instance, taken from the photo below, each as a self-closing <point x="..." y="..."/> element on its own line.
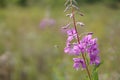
<point x="22" y="2"/>
<point x="87" y="1"/>
<point x="2" y="3"/>
<point x="58" y="3"/>
<point x="37" y="53"/>
<point x="114" y="4"/>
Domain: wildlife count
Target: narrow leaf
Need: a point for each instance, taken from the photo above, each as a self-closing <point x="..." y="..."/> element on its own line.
<point x="95" y="75"/>
<point x="67" y="2"/>
<point x="75" y="7"/>
<point x="67" y="8"/>
<point x="74" y="1"/>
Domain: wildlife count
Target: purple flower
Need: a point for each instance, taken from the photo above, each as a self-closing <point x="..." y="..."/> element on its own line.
<point x="71" y="32"/>
<point x="78" y="62"/>
<point x="94" y="59"/>
<point x="47" y="22"/>
<point x="92" y="49"/>
<point x="68" y="50"/>
<point x="87" y="45"/>
<point x="70" y="38"/>
<point x="82" y="47"/>
<point x="72" y="49"/>
<point x="87" y="39"/>
<point x="76" y="49"/>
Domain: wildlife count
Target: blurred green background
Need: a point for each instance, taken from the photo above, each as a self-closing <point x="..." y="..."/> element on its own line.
<point x="32" y="43"/>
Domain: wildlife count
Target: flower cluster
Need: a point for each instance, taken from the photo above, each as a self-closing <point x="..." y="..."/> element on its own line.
<point x="87" y="46"/>
<point x="84" y="46"/>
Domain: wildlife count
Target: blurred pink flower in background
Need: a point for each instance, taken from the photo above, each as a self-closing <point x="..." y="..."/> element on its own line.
<point x="47" y="22"/>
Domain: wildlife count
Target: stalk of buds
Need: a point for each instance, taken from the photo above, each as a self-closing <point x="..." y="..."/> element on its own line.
<point x="86" y="48"/>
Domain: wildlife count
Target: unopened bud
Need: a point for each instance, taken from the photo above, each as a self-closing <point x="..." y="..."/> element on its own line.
<point x="70" y="15"/>
<point x="66" y="26"/>
<point x="90" y="33"/>
<point x="80" y="23"/>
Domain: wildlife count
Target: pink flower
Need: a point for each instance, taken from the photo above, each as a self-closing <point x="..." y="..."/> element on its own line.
<point x="47" y="22"/>
<point x="78" y="62"/>
<point x="87" y="45"/>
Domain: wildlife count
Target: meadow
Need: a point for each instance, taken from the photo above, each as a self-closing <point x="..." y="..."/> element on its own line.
<point x="31" y="52"/>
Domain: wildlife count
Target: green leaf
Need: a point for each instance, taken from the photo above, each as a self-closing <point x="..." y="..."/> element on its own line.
<point x="74" y="2"/>
<point x="95" y="75"/>
<point x="95" y="72"/>
<point x="67" y="8"/>
<point x="75" y="7"/>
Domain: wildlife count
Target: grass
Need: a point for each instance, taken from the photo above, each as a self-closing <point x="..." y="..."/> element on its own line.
<point x="37" y="53"/>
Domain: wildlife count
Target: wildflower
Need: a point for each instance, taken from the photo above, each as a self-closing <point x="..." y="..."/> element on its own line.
<point x="78" y="62"/>
<point x="69" y="49"/>
<point x="86" y="39"/>
<point x="47" y="22"/>
<point x="72" y="49"/>
<point x="87" y="45"/>
<point x="82" y="47"/>
<point x="92" y="49"/>
<point x="85" y="48"/>
<point x="71" y="34"/>
<point x="94" y="59"/>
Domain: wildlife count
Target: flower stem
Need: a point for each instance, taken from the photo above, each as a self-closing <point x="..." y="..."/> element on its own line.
<point x="78" y="39"/>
